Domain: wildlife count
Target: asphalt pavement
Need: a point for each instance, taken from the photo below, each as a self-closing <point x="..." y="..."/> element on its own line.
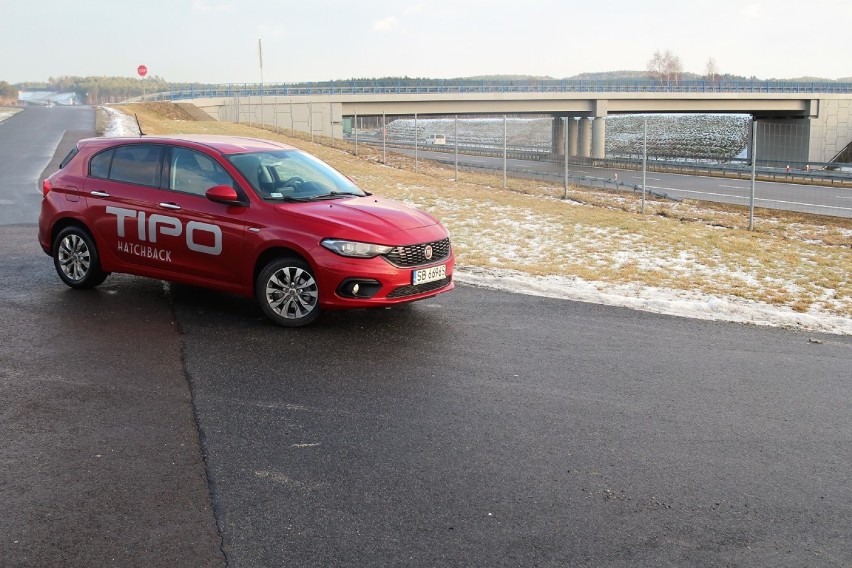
<point x="100" y="462"/>
<point x="482" y="428"/>
<point x="151" y="424"/>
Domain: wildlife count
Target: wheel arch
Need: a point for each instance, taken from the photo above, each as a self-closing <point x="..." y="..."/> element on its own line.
<point x="272" y="253"/>
<point x="65" y="222"/>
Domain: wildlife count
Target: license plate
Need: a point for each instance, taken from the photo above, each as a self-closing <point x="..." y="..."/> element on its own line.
<point x="429" y="274"/>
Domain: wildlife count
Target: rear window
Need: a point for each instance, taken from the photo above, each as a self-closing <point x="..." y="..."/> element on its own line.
<point x="69" y="157"/>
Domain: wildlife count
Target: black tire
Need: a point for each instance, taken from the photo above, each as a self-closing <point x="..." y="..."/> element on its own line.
<point x="76" y="258"/>
<point x="288" y="292"/>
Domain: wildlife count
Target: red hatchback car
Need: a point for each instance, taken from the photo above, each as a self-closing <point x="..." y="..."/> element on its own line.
<point x="242" y="215"/>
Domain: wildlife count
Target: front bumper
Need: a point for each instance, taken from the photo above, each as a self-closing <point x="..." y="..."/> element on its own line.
<point x="395" y="286"/>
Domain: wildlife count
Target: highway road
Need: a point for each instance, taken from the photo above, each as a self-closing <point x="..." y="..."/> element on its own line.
<point x="150" y="424"/>
<point x="834" y="201"/>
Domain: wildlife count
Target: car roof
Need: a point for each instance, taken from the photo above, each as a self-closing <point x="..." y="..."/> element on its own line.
<point x="220" y="143"/>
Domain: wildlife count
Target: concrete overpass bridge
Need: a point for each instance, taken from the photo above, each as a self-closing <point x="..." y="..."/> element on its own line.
<point x="819" y="114"/>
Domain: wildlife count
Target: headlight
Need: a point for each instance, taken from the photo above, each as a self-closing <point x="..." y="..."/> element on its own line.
<point x="354" y="248"/>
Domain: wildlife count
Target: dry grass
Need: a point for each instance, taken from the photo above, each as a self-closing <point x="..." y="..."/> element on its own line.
<point x="794" y="260"/>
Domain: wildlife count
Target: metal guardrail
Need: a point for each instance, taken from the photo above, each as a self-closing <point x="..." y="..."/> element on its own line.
<point x="426" y="87"/>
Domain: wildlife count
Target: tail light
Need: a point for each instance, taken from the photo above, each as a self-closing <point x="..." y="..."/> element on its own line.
<point x="45" y="187"/>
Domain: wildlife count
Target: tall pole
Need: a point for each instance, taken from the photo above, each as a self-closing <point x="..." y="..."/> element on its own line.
<point x="355" y="126"/>
<point x="384" y="140"/>
<point x="753" y="174"/>
<point x="415" y="142"/>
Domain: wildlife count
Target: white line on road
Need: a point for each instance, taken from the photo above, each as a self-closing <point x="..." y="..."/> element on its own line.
<point x="729" y="196"/>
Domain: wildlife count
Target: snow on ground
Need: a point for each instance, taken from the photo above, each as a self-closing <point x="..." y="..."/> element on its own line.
<point x="651" y="299"/>
<point x="647" y="298"/>
<point x="4" y="114"/>
<point x="119" y="124"/>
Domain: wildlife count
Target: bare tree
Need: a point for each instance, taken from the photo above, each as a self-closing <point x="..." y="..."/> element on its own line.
<point x="711" y="70"/>
<point x="657" y="67"/>
<point x="674" y="67"/>
<point x="665" y="66"/>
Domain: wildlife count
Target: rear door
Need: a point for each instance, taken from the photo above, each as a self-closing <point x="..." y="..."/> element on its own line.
<point x="121" y="192"/>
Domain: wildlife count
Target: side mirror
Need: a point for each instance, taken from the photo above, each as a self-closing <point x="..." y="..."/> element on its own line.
<point x="224" y="194"/>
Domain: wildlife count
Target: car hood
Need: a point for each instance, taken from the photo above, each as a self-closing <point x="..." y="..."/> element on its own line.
<point x="368" y="216"/>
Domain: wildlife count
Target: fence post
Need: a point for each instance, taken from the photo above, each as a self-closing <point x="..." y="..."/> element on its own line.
<point x="505" y="150"/>
<point x="355" y="126"/>
<point x="415" y="142"/>
<point x="384" y="140"/>
<point x="456" y="139"/>
<point x="644" y="160"/>
<point x="753" y="174"/>
<point x="565" y="154"/>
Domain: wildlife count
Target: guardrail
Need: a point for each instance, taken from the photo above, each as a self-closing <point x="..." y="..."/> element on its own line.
<point x="427" y="87"/>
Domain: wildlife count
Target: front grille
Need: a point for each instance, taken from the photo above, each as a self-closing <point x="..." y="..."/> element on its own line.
<point x="414" y="255"/>
<point x="411" y="290"/>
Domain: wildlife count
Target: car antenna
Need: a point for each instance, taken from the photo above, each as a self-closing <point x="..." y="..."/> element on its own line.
<point x="139" y="126"/>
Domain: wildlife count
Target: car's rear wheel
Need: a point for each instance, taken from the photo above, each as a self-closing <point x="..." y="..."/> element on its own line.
<point x="76" y="259"/>
<point x="288" y="293"/>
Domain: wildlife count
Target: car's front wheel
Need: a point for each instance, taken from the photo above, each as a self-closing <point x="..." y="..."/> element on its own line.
<point x="288" y="293"/>
<point x="76" y="259"/>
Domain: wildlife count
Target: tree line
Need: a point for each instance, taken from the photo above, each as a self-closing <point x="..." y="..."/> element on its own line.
<point x="95" y="90"/>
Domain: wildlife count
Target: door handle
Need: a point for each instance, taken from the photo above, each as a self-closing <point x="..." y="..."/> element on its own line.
<point x="99" y="193"/>
<point x="174" y="206"/>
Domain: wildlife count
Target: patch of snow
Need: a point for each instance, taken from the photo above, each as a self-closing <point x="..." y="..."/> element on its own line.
<point x="119" y="124"/>
<point x="651" y="299"/>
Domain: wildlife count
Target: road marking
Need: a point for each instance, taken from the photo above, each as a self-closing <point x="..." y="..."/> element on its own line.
<point x="734" y="186"/>
<point x="647" y="178"/>
<point x="756" y="199"/>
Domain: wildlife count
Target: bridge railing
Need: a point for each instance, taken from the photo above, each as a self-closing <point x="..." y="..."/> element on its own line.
<point x="436" y="87"/>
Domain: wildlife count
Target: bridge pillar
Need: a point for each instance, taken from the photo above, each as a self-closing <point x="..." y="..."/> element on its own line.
<point x="573" y="136"/>
<point x="598" y="137"/>
<point x="585" y="143"/>
<point x="557" y="138"/>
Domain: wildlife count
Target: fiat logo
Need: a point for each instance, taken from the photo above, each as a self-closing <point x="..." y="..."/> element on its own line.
<point x="427" y="252"/>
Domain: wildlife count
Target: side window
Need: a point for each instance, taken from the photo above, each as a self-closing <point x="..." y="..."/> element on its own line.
<point x="137" y="163"/>
<point x="69" y="157"/>
<point x="99" y="165"/>
<point x="194" y="172"/>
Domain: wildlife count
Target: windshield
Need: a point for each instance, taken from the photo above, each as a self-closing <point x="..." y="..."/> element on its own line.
<point x="292" y="175"/>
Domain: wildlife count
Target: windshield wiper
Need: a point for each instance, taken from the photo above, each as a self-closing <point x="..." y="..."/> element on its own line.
<point x="289" y="198"/>
<point x="334" y="194"/>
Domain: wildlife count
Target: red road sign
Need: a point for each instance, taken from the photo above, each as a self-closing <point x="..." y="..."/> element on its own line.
<point x="142" y="70"/>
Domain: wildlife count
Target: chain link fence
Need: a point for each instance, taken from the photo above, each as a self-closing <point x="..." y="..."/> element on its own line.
<point x="703" y="157"/>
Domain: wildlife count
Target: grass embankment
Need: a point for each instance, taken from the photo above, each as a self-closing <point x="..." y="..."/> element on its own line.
<point x="799" y="261"/>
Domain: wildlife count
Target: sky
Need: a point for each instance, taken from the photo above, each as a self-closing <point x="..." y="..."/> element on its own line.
<point x="216" y="41"/>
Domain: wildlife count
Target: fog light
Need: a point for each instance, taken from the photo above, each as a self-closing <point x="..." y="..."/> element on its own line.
<point x="360" y="288"/>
